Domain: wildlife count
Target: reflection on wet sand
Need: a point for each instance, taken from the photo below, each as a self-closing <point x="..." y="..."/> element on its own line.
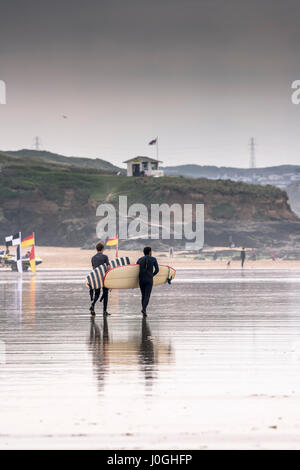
<point x="146" y="356"/>
<point x="98" y="342"/>
<point x="215" y="364"/>
<point x="19" y="298"/>
<point x="28" y="302"/>
<point x="139" y="349"/>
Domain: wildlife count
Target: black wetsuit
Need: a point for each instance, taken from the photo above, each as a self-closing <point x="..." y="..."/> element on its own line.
<point x="148" y="269"/>
<point x="98" y="260"/>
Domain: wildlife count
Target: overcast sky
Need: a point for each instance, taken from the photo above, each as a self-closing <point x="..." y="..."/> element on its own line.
<point x="203" y="75"/>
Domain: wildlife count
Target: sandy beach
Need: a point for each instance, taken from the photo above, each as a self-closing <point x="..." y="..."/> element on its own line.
<point x="76" y="258"/>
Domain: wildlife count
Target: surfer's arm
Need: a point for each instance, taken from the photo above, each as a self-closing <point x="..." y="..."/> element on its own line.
<point x="156" y="268"/>
<point x="107" y="263"/>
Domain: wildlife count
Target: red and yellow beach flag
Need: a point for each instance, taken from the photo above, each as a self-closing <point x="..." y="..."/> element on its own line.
<point x="114" y="241"/>
<point x="28" y="241"/>
<point x="32" y="259"/>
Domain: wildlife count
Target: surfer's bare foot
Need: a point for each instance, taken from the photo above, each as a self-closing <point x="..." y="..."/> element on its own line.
<point x="106" y="314"/>
<point x="144" y="313"/>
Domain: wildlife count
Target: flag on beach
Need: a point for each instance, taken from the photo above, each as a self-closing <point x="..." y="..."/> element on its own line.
<point x="13" y="240"/>
<point x="153" y="141"/>
<point x="112" y="241"/>
<point x="28" y="241"/>
<point x="32" y="259"/>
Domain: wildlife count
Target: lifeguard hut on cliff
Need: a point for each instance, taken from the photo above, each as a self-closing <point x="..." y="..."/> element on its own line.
<point x="143" y="166"/>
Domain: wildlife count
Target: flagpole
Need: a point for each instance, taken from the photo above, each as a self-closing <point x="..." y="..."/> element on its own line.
<point x="32" y="261"/>
<point x="157" y="148"/>
<point x="19" y="255"/>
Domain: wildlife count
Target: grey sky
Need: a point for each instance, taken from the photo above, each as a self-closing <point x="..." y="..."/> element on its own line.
<point x="203" y="75"/>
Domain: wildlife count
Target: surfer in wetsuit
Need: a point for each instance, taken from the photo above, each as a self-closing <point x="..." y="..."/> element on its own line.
<point x="243" y="257"/>
<point x="98" y="260"/>
<point x="148" y="269"/>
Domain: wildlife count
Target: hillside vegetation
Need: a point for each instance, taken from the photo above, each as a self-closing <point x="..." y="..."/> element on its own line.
<point x="59" y="200"/>
<point x="50" y="157"/>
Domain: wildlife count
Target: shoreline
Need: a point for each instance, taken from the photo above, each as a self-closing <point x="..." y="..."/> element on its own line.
<point x="75" y="258"/>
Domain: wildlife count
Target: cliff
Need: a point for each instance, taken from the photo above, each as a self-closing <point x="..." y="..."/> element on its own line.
<point x="58" y="201"/>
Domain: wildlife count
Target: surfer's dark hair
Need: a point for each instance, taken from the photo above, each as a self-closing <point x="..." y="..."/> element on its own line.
<point x="147" y="250"/>
<point x="99" y="246"/>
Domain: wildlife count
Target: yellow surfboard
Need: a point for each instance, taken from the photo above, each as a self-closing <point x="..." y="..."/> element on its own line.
<point x="127" y="277"/>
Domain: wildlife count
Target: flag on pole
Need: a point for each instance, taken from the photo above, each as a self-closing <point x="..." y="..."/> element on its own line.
<point x="28" y="241"/>
<point x="19" y="258"/>
<point x="155" y="142"/>
<point x="32" y="259"/>
<point x="13" y="240"/>
<point x="112" y="242"/>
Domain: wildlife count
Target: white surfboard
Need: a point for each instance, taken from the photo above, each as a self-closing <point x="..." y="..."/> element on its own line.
<point x="127" y="277"/>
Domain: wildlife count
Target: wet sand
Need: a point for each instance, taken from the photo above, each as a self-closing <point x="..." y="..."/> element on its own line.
<point x="216" y="364"/>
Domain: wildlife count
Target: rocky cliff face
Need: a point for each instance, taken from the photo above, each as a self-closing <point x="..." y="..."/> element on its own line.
<point x="59" y="204"/>
<point x="293" y="191"/>
<point x="61" y="224"/>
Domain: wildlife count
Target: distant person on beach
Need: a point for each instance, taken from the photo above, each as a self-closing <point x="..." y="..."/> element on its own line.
<point x="171" y="252"/>
<point x="98" y="260"/>
<point x="243" y="257"/>
<point x="148" y="269"/>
